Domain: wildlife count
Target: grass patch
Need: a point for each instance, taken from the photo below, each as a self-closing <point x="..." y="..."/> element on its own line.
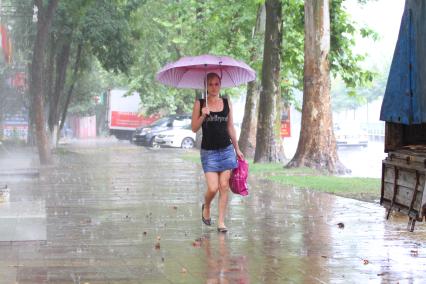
<point x="332" y="184"/>
<point x="274" y="169"/>
<point x="366" y="189"/>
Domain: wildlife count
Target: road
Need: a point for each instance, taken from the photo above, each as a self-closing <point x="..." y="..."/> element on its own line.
<point x="117" y="213"/>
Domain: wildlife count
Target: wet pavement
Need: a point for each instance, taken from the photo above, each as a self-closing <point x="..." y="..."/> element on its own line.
<point x="111" y="212"/>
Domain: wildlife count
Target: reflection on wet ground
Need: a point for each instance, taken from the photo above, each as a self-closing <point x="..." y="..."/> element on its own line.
<point x="117" y="213"/>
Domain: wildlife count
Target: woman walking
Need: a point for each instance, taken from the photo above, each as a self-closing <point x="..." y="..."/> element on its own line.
<point x="219" y="147"/>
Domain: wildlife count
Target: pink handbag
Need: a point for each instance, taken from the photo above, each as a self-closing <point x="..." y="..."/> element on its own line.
<point x="238" y="180"/>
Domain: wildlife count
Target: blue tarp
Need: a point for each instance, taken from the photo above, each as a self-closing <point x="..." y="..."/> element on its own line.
<point x="405" y="96"/>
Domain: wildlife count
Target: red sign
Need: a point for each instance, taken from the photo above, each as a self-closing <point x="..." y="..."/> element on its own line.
<point x="285" y="124"/>
<point x="130" y="119"/>
<point x="19" y="80"/>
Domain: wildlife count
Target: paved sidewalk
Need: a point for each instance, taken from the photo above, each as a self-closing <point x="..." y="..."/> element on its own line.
<point x="118" y="213"/>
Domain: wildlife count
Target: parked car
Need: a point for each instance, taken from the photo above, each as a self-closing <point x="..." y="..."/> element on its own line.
<point x="176" y="137"/>
<point x="145" y="136"/>
<point x="350" y="135"/>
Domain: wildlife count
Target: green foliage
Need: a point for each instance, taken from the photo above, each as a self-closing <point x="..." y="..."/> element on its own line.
<point x="223" y="27"/>
<point x="352" y="98"/>
<point x="342" y="59"/>
<point x="106" y="28"/>
<point x="23" y="30"/>
<point x="91" y="83"/>
<point x="163" y="31"/>
<point x="293" y="50"/>
<point x="176" y="29"/>
<point x="343" y="62"/>
<point x="135" y="38"/>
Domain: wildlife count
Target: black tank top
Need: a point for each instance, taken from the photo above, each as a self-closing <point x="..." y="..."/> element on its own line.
<point x="215" y="128"/>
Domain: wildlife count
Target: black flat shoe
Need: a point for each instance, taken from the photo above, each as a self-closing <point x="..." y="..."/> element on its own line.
<point x="222" y="230"/>
<point x="208" y="222"/>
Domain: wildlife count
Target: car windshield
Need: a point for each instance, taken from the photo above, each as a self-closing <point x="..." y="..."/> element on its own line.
<point x="181" y="123"/>
<point x="186" y="126"/>
<point x="160" y="122"/>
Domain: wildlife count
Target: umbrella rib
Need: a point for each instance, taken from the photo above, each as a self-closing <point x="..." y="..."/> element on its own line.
<point x="179" y="79"/>
<point x="230" y="77"/>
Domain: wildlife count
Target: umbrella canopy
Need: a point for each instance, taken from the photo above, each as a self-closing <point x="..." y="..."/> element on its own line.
<point x="190" y="72"/>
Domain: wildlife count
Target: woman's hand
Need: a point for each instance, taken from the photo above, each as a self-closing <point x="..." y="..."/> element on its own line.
<point x="205" y="111"/>
<point x="240" y="154"/>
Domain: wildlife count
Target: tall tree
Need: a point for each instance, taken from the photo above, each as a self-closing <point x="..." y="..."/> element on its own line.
<point x="268" y="142"/>
<point x="86" y="25"/>
<point x="317" y="145"/>
<point x="247" y="139"/>
<point x="44" y="18"/>
<point x="62" y="60"/>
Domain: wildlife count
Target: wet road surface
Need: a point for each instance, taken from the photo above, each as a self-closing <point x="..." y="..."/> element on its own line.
<point x="117" y="213"/>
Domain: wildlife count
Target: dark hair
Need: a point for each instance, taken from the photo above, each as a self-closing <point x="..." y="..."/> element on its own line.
<point x="211" y="76"/>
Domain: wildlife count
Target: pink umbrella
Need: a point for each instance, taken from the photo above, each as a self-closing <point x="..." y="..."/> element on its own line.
<point x="189" y="72"/>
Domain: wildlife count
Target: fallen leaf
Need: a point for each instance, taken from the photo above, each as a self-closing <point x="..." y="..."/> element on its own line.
<point x="366" y="261"/>
<point x="196" y="243"/>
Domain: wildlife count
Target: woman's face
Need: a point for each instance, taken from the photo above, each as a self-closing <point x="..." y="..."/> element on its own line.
<point x="213" y="86"/>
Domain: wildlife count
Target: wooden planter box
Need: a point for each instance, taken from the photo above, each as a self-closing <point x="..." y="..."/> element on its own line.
<point x="404" y="171"/>
<point x="403" y="184"/>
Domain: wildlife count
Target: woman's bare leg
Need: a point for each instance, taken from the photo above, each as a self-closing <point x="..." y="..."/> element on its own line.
<point x="223" y="196"/>
<point x="212" y="180"/>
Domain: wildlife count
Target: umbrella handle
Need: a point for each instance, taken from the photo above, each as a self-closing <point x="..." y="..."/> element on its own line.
<point x="205" y="84"/>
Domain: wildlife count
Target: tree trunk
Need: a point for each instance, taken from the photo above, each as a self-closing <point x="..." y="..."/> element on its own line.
<point x="247" y="139"/>
<point x="61" y="68"/>
<point x="317" y="144"/>
<point x="36" y="83"/>
<point x="71" y="88"/>
<point x="50" y="68"/>
<point x="268" y="143"/>
<point x="49" y="77"/>
<point x="31" y="126"/>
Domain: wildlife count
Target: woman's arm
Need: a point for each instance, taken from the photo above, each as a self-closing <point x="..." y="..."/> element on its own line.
<point x="198" y="119"/>
<point x="232" y="133"/>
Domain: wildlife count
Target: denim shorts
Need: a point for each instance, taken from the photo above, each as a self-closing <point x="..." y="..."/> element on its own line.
<point x="218" y="160"/>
